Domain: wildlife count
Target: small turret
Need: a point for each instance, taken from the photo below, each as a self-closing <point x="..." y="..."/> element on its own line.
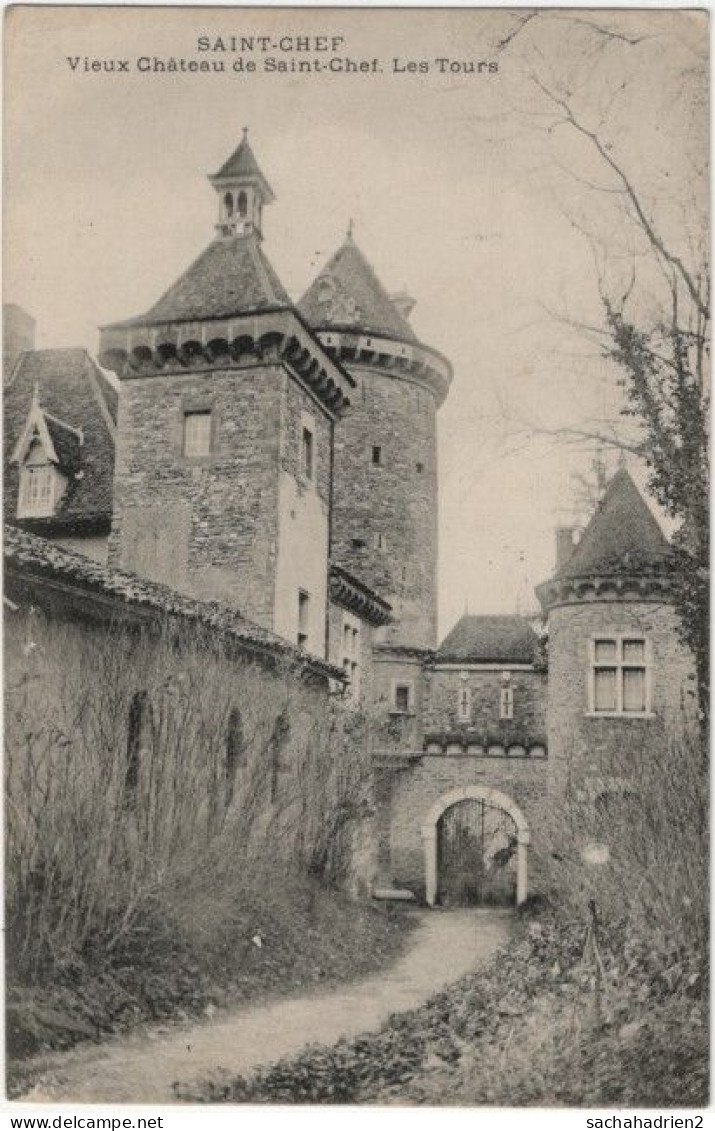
<point x="242" y="191"/>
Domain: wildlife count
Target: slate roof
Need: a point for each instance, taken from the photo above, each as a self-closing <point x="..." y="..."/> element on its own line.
<point x="32" y="556"/>
<point x="73" y="390"/>
<point x="353" y="298"/>
<point x="622" y="537"/>
<point x="231" y="276"/>
<point x="66" y="443"/>
<point x="490" y="639"/>
<point x="242" y="164"/>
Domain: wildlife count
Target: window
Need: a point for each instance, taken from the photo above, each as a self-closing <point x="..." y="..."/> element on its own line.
<point x="419" y="467"/>
<point x="235" y="750"/>
<point x="40" y="484"/>
<point x="351" y="657"/>
<point x="306" y="463"/>
<point x="197" y="433"/>
<point x="465" y="704"/>
<point x="228" y="204"/>
<point x="139" y="726"/>
<point x="380" y="542"/>
<point x="37" y="494"/>
<point x="303" y="617"/>
<point x="377" y="455"/>
<point x="242" y="205"/>
<point x="619" y="684"/>
<point x="403" y="697"/>
<point x="506" y="703"/>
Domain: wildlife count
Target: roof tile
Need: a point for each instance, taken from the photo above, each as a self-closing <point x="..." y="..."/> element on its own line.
<point x="71" y="388"/>
<point x="231" y="276"/>
<point x="348" y="295"/>
<point x="490" y="639"/>
<point x="39" y="557"/>
<point x="622" y="537"/>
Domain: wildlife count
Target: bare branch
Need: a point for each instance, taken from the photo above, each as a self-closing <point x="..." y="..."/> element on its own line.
<point x="648" y="227"/>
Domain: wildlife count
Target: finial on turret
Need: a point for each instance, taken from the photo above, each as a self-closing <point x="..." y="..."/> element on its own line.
<point x="351" y="225"/>
<point x="245" y="131"/>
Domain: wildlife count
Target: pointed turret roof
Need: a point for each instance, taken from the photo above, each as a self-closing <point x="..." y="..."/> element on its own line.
<point x="623" y="537"/>
<point x="231" y="276"/>
<point x="348" y="295"/>
<point x="242" y="165"/>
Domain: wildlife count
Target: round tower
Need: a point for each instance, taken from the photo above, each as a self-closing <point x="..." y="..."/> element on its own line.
<point x="384" y="509"/>
<point x="619" y="680"/>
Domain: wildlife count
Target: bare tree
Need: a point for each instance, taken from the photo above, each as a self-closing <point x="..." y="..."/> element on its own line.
<point x="649" y="243"/>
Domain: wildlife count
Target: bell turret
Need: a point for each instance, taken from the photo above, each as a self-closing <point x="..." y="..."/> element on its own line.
<point x="242" y="191"/>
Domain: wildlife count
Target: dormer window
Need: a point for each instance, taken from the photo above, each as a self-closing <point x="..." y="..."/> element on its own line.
<point x="47" y="453"/>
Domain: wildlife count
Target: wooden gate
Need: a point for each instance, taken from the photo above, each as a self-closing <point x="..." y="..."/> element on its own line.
<point x="476" y="855"/>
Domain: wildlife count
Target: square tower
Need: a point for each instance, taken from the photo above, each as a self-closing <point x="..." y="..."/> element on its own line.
<point x="225" y="435"/>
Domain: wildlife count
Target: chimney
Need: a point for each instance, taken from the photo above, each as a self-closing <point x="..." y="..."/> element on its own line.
<point x="403" y="303"/>
<point x="565" y="543"/>
<point x="18" y="335"/>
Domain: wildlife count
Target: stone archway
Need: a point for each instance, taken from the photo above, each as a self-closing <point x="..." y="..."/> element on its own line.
<point x="491" y="797"/>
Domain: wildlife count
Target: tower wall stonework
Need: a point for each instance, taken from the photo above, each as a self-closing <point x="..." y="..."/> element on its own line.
<point x="394" y="501"/>
<point x="586" y="748"/>
<point x="211" y="525"/>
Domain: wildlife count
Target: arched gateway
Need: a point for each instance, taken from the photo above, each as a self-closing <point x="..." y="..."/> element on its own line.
<point x="459" y="817"/>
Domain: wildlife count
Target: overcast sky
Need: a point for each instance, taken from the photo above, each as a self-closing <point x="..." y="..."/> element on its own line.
<point x="452" y="196"/>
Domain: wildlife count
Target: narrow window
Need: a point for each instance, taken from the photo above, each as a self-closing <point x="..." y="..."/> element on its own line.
<point x="197" y="433"/>
<point x="506" y="703"/>
<point x="242" y="205"/>
<point x="235" y="750"/>
<point x="228" y="204"/>
<point x="419" y="467"/>
<point x="402" y="697"/>
<point x="380" y="542"/>
<point x="465" y="704"/>
<point x="138" y="726"/>
<point x="377" y="455"/>
<point x="303" y="618"/>
<point x="307" y="453"/>
<point x="277" y="743"/>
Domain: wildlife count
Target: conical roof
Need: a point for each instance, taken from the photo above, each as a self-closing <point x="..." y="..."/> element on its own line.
<point x="348" y="295"/>
<point x="231" y="276"/>
<point x="242" y="165"/>
<point x="622" y="537"/>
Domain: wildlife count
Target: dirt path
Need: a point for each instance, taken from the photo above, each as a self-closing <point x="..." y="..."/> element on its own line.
<point x="141" y="1068"/>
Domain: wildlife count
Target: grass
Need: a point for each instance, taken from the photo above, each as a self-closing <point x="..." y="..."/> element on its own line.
<point x="522" y="1032"/>
<point x="275" y="940"/>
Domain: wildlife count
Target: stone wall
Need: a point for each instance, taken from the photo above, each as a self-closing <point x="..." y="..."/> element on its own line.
<point x="585" y="746"/>
<point x="213" y="525"/>
<point x="393" y="502"/>
<point x="340" y="619"/>
<point x="441" y="715"/>
<point x="413" y="791"/>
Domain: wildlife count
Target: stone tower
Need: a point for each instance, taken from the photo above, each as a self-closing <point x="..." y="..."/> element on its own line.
<point x="618" y="677"/>
<point x="385" y="477"/>
<point x="225" y="433"/>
